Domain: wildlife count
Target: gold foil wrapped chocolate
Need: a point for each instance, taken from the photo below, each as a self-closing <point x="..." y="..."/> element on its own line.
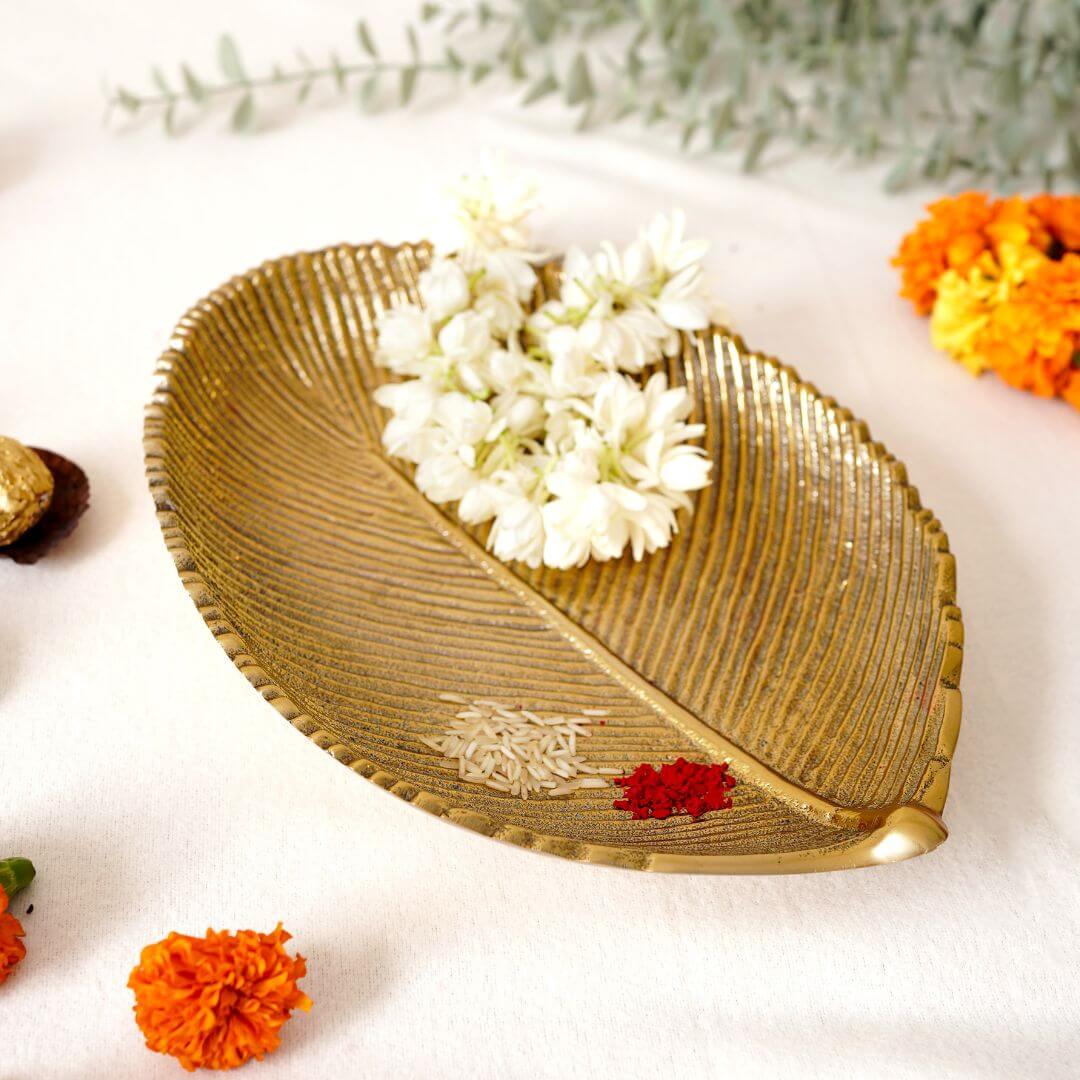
<point x="26" y="489"/>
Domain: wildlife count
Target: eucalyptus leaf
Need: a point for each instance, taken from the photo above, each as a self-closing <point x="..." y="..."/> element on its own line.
<point x="901" y="174"/>
<point x="127" y="100"/>
<point x="195" y="89"/>
<point x="409" y="76"/>
<point x="243" y="116"/>
<point x="368" y="96"/>
<point x="937" y="160"/>
<point x="367" y="42"/>
<point x="1011" y="141"/>
<point x="540" y="19"/>
<point x="540" y="89"/>
<point x="1072" y="150"/>
<point x="515" y="63"/>
<point x="455" y="21"/>
<point x="721" y="121"/>
<point x="339" y="73"/>
<point x="161" y="82"/>
<point x="229" y="59"/>
<point x="985" y="87"/>
<point x="755" y="146"/>
<point x="579" y="85"/>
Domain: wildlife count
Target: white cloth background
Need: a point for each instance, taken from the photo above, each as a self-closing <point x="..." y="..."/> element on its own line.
<point x="155" y="791"/>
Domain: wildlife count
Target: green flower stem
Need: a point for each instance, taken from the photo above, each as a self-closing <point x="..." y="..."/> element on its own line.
<point x="15" y="874"/>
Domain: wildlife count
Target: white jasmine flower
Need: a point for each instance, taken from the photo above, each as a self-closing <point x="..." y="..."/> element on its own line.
<point x="680" y="294"/>
<point x="457" y="425"/>
<point x="408" y="434"/>
<point x="526" y="420"/>
<point x="582" y="284"/>
<point x="665" y="246"/>
<point x="444" y="289"/>
<point x="466" y="342"/>
<point x="587" y="516"/>
<point x="598" y="518"/>
<point x="513" y="498"/>
<point x="574" y="372"/>
<point x="405" y="340"/>
<point x="683" y="302"/>
<point x="683" y="468"/>
<point x="489" y="210"/>
<point x="444" y="478"/>
<point x="502" y="310"/>
<point x="626" y="340"/>
<point x="503" y="270"/>
<point x="466" y="338"/>
<point x="605" y="275"/>
<point x="652" y="527"/>
<point x="522" y="415"/>
<point x="608" y="297"/>
<point x="507" y="369"/>
<point x="518" y="532"/>
<point x="645" y="432"/>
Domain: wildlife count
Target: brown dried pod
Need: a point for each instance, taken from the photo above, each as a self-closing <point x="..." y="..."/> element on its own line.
<point x="26" y="489"/>
<point x="70" y="498"/>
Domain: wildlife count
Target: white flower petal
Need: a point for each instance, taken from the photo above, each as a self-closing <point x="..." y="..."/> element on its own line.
<point x="444" y="289"/>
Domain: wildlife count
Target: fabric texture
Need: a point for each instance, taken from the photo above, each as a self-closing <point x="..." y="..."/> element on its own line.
<point x="156" y="792"/>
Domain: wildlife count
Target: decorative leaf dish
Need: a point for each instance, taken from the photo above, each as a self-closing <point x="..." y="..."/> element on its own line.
<point x="801" y="627"/>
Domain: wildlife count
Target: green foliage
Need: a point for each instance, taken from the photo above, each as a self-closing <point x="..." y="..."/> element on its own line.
<point x="972" y="89"/>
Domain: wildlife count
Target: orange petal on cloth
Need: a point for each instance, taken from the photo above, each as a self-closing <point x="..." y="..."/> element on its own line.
<point x="217" y="1001"/>
<point x="12" y="950"/>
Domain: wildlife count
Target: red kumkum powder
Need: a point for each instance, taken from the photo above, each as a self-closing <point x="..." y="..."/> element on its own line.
<point x="682" y="787"/>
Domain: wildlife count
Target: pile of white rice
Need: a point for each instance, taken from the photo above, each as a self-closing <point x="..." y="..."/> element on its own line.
<point x="517" y="751"/>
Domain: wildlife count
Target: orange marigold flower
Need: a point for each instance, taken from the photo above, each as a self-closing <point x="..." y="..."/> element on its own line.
<point x="217" y="1001"/>
<point x="12" y="950"/>
<point x="955" y="236"/>
<point x="955" y="226"/>
<point x="1033" y="340"/>
<point x="1061" y="216"/>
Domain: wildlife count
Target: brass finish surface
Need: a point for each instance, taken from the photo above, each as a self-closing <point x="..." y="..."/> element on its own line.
<point x="802" y="625"/>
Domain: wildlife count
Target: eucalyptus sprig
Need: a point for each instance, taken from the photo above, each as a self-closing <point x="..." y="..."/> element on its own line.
<point x="979" y="89"/>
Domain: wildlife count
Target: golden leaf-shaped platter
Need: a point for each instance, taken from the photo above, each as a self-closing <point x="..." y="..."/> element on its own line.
<point x="801" y="626"/>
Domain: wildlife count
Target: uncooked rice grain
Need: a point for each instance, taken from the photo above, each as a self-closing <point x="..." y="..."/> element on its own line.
<point x="516" y="751"/>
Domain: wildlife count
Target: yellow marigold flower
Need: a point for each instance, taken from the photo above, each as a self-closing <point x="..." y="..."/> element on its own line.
<point x="965" y="302"/>
<point x="1033" y="340"/>
<point x="217" y="1001"/>
<point x="12" y="950"/>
